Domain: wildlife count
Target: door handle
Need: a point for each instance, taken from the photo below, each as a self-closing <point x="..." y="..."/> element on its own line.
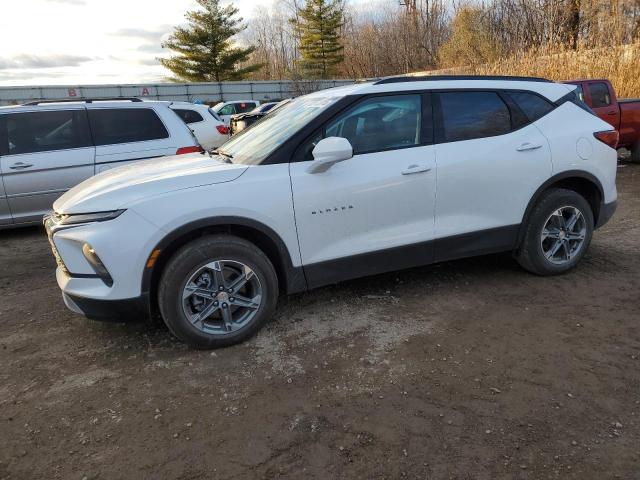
<point x="20" y="166"/>
<point x="528" y="146"/>
<point x="415" y="169"/>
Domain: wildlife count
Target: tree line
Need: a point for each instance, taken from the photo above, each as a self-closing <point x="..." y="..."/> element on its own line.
<point x="298" y="39"/>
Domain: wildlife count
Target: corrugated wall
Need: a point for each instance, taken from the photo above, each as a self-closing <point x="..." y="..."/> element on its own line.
<point x="189" y="92"/>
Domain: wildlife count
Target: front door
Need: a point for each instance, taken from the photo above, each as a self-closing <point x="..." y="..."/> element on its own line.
<point x="46" y="153"/>
<point x="375" y="211"/>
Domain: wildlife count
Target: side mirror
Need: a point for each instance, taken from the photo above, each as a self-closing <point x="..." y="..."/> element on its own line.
<point x="328" y="151"/>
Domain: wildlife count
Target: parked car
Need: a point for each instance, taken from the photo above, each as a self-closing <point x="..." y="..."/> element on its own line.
<point x="209" y="129"/>
<point x="335" y="185"/>
<point x="244" y="120"/>
<point x="226" y="110"/>
<point x="48" y="147"/>
<point x="623" y="115"/>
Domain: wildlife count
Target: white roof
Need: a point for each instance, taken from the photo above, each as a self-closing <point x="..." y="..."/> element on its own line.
<point x="551" y="90"/>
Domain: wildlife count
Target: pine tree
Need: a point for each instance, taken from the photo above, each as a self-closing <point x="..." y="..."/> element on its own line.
<point x="318" y="28"/>
<point x="206" y="52"/>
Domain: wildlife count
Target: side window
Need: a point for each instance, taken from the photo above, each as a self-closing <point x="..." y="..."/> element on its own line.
<point x="533" y="106"/>
<point x="599" y="94"/>
<point x="4" y="143"/>
<point x="469" y="115"/>
<point x="579" y="93"/>
<point x="380" y="123"/>
<point x="44" y="131"/>
<point x="245" y="107"/>
<point x="227" y="110"/>
<point x="124" y="125"/>
<point x="188" y="116"/>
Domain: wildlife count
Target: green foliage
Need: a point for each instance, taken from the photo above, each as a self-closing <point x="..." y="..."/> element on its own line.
<point x="471" y="41"/>
<point x="318" y="28"/>
<point x="205" y="50"/>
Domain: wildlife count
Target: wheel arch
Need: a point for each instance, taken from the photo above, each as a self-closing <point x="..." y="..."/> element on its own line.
<point x="581" y="182"/>
<point x="291" y="279"/>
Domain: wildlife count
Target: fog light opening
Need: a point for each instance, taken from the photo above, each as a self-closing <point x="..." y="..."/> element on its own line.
<point x="97" y="265"/>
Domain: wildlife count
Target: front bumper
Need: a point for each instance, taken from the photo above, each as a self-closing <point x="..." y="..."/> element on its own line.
<point x="125" y="310"/>
<point x="606" y="212"/>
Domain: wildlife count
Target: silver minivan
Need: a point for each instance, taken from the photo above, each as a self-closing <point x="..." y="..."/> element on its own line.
<point x="46" y="148"/>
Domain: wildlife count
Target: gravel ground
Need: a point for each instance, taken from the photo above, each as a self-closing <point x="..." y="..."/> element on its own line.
<point x="472" y="369"/>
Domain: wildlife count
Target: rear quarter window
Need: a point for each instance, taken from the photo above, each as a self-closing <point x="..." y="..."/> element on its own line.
<point x="188" y="116"/>
<point x="469" y="115"/>
<point x="532" y="105"/>
<point x="126" y="125"/>
<point x="599" y="94"/>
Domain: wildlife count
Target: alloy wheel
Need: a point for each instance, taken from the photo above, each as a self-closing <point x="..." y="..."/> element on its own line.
<point x="221" y="297"/>
<point x="563" y="235"/>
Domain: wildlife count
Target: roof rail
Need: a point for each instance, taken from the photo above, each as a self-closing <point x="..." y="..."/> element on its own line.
<point x="428" y="78"/>
<point x="86" y="100"/>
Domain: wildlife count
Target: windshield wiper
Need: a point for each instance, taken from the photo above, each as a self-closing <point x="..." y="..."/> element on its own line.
<point x="227" y="156"/>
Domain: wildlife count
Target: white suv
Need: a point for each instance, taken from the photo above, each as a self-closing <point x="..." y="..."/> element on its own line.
<point x="48" y="147"/>
<point x="338" y="184"/>
<point x="205" y="124"/>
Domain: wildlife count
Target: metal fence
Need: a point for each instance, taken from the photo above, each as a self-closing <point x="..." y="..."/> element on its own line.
<point x="189" y="92"/>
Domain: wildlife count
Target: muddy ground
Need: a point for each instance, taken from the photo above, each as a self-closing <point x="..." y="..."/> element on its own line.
<point x="469" y="370"/>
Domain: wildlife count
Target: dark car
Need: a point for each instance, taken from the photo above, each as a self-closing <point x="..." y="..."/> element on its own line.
<point x="244" y="120"/>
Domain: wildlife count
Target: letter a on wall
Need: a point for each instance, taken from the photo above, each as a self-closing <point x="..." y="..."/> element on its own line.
<point x="145" y="91"/>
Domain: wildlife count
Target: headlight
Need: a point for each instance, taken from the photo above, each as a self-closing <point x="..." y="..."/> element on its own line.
<point x="76" y="218"/>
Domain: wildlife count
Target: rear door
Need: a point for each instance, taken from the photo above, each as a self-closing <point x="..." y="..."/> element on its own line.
<point x="46" y="152"/>
<point x="128" y="133"/>
<point x="490" y="162"/>
<point x="603" y="102"/>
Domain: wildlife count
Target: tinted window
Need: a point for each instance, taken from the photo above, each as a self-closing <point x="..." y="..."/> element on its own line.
<point x="188" y="116"/>
<point x="599" y="94"/>
<point x="125" y="125"/>
<point x="580" y="93"/>
<point x="532" y="105"/>
<point x="245" y="107"/>
<point x="43" y="131"/>
<point x="467" y="115"/>
<point x="380" y="123"/>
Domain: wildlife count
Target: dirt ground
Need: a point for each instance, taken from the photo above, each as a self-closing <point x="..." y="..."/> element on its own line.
<point x="472" y="369"/>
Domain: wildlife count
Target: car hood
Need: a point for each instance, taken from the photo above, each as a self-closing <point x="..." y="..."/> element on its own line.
<point x="122" y="186"/>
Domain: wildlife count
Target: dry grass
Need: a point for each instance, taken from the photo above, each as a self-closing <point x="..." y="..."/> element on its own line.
<point x="620" y="64"/>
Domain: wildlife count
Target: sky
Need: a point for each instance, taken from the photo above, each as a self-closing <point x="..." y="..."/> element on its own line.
<point x="80" y="42"/>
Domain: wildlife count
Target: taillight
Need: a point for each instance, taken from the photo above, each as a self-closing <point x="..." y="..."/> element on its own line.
<point x="223" y="129"/>
<point x="608" y="137"/>
<point x="193" y="149"/>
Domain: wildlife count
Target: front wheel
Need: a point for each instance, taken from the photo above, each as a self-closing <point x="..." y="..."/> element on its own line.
<point x="217" y="291"/>
<point x="558" y="233"/>
<point x="635" y="153"/>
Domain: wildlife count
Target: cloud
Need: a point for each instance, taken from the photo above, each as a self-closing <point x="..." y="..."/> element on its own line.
<point x="42" y="61"/>
<point x="148" y="34"/>
<point x="69" y="2"/>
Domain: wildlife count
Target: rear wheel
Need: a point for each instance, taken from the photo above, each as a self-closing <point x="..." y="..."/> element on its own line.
<point x="635" y="153"/>
<point x="217" y="291"/>
<point x="558" y="233"/>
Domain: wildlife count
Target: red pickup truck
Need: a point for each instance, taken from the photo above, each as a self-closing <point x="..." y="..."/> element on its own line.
<point x="624" y="115"/>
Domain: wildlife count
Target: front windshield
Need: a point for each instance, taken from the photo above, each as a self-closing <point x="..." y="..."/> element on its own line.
<point x="253" y="145"/>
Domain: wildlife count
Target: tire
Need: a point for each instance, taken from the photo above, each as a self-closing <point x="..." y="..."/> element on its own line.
<point x="200" y="264"/>
<point x="635" y="153"/>
<point x="544" y="217"/>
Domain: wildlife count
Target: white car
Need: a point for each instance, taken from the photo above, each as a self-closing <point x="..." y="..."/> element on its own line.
<point x="47" y="147"/>
<point x="339" y="184"/>
<point x="205" y="124"/>
<point x="226" y="110"/>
